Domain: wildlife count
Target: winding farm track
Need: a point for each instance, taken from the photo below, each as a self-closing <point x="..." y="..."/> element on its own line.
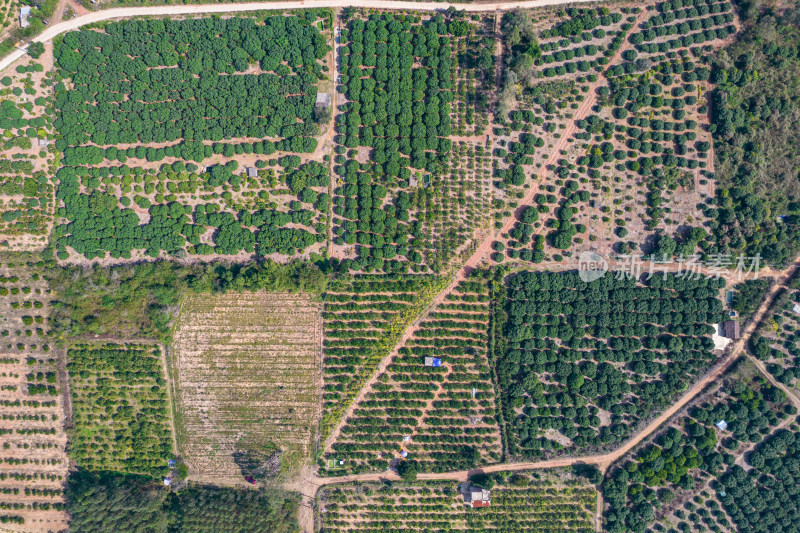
<point x="309" y="485"/>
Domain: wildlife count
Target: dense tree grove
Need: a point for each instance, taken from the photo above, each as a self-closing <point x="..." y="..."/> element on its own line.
<point x="397" y="72"/>
<point x="403" y="113"/>
<point x="575" y="348"/>
<point x="98" y="226"/>
<point x="118" y="95"/>
<point x="174" y="85"/>
<point x="754" y="115"/>
<point x="764" y="498"/>
<point x="105" y="501"/>
<point x="120" y="410"/>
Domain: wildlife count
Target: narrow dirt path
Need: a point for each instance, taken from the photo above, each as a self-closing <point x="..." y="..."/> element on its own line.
<point x="170" y="398"/>
<point x="598" y="515"/>
<point x="555" y="152"/>
<point x="58" y="14"/>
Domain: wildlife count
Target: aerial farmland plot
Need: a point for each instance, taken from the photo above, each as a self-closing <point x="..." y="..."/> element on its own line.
<point x="33" y="459"/>
<point x="246" y="370"/>
<point x="519" y="502"/>
<point x="441" y="417"/>
<point x="121" y="413"/>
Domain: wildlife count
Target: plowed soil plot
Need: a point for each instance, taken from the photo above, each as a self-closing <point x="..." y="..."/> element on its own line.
<point x="247" y="380"/>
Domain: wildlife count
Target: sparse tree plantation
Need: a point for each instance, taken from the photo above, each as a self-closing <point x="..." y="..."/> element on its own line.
<point x="121" y="418"/>
<point x="776" y="342"/>
<point x="357" y="313"/>
<point x="33" y="459"/>
<point x="634" y="159"/>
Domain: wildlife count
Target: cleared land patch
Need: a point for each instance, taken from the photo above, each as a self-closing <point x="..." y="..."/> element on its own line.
<point x="247" y="380"/>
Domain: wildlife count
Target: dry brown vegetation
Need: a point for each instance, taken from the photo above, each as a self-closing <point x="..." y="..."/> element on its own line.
<point x="246" y="372"/>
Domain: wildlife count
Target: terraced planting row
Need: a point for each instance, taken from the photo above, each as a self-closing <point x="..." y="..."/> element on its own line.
<point x="433" y="407"/>
<point x="546" y="503"/>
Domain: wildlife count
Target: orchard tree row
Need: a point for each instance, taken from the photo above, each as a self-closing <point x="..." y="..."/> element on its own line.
<point x="591" y="360"/>
<point x="117" y="94"/>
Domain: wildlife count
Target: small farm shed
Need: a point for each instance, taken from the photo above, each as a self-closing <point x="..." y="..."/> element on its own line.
<point x="412" y="181"/>
<point x="476" y="496"/>
<point x="24" y="13"/>
<point x="731" y="330"/>
<point x="796" y="308"/>
<point x="252" y="172"/>
<point x="433" y="361"/>
<point x="323" y="100"/>
<point x="722" y="425"/>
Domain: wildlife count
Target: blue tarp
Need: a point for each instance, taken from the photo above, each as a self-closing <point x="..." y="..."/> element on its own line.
<point x="436" y="362"/>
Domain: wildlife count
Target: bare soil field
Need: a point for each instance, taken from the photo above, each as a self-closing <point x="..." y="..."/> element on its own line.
<point x="247" y="382"/>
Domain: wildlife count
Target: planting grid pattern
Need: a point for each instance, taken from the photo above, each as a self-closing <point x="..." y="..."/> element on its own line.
<point x="246" y="370"/>
<point x="443" y="417"/>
